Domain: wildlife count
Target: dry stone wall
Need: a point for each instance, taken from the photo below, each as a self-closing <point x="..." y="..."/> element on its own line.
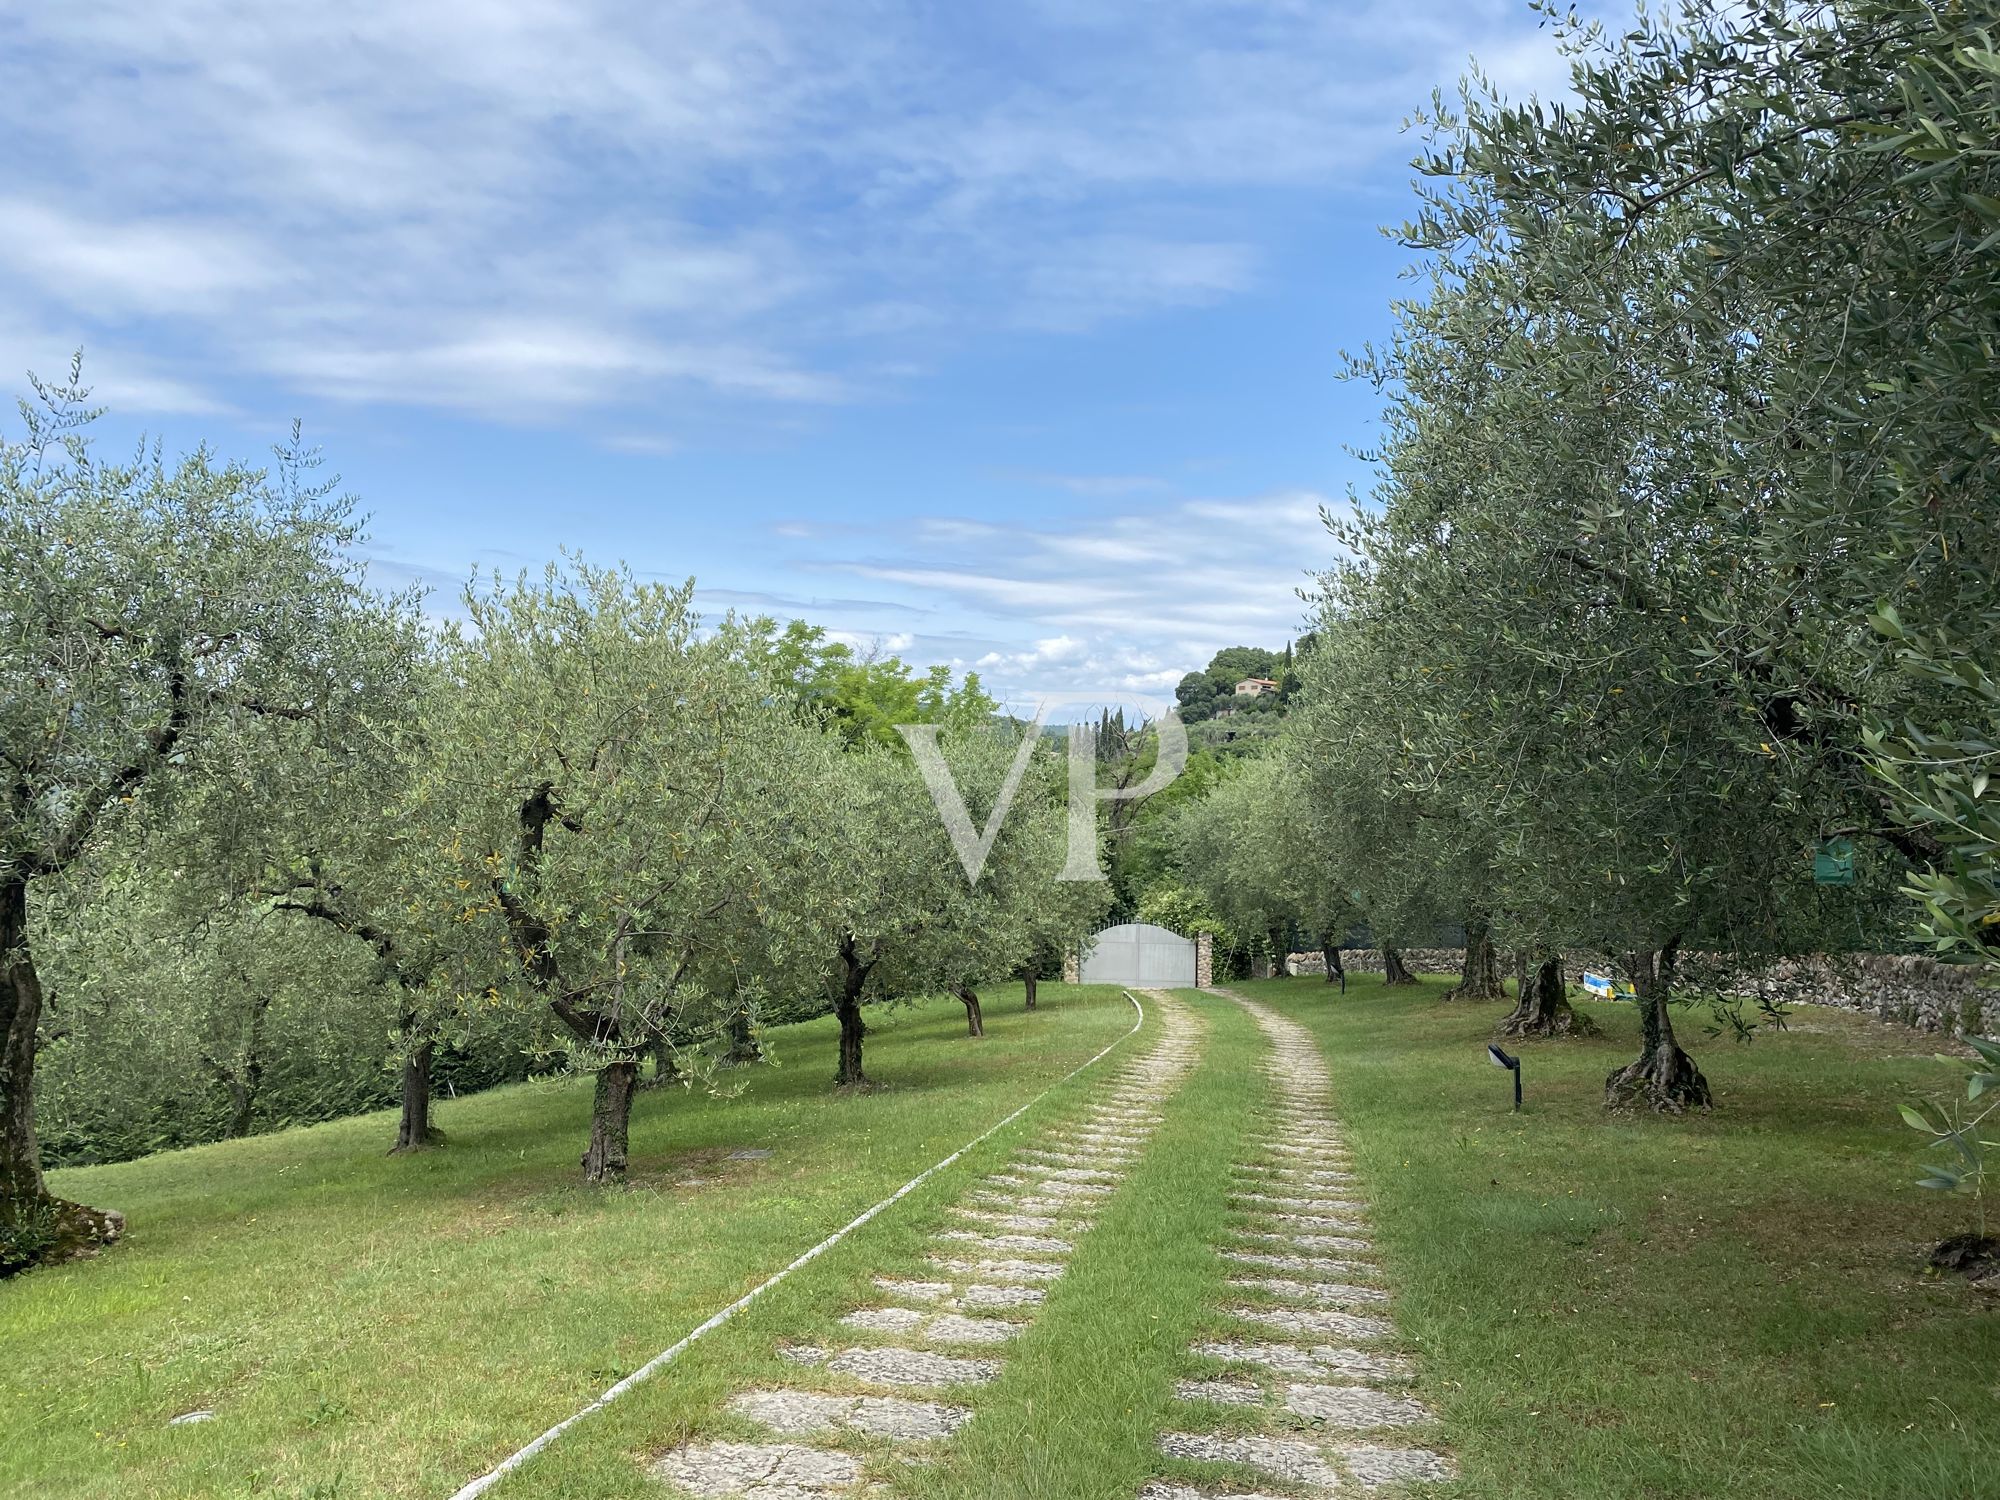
<point x="1905" y="989"/>
<point x="1369" y="961"/>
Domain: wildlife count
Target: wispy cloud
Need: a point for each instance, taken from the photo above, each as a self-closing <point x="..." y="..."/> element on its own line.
<point x="585" y="210"/>
<point x="1120" y="603"/>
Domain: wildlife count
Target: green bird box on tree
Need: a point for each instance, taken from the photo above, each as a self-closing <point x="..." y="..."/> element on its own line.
<point x="1834" y="863"/>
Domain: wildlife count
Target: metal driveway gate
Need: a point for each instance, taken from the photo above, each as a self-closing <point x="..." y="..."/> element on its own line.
<point x="1139" y="953"/>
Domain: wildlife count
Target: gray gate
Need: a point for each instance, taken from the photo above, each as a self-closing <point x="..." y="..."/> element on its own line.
<point x="1138" y="953"/>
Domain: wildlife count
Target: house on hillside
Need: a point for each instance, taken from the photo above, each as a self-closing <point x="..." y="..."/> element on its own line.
<point x="1255" y="687"/>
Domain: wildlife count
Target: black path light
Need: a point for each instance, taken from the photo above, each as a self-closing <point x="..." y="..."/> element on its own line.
<point x="1512" y="1064"/>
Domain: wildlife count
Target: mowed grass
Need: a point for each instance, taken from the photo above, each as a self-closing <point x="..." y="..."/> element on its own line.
<point x="372" y="1326"/>
<point x="1082" y="1395"/>
<point x="1731" y="1304"/>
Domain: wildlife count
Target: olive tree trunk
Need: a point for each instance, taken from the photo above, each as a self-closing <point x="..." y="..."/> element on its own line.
<point x="743" y="1044"/>
<point x="666" y="1068"/>
<point x="243" y="1083"/>
<point x="1663" y="1078"/>
<point x="1394" y="970"/>
<point x="975" y="1022"/>
<point x="1028" y="977"/>
<point x="1481" y="978"/>
<point x="1335" y="974"/>
<point x="847" y="1006"/>
<point x="414" y="1131"/>
<point x="611" y="1120"/>
<point x="1542" y="1007"/>
<point x="35" y="1225"/>
<point x="24" y="1198"/>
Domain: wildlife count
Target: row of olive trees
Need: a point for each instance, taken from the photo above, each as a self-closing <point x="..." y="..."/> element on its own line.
<point x="1681" y="570"/>
<point x="186" y="1014"/>
<point x="581" y="801"/>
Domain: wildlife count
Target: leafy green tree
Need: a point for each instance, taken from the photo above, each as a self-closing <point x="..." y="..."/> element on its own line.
<point x="1319" y="892"/>
<point x="1615" y="688"/>
<point x="1020" y="912"/>
<point x="1404" y="851"/>
<point x="1232" y="664"/>
<point x="187" y="1017"/>
<point x="1183" y="909"/>
<point x="863" y="697"/>
<point x="1253" y="852"/>
<point x="1196" y="694"/>
<point x="1835" y="167"/>
<point x="331" y="834"/>
<point x="1226" y="854"/>
<point x="145" y="606"/>
<point x="900" y="914"/>
<point x="615" y="793"/>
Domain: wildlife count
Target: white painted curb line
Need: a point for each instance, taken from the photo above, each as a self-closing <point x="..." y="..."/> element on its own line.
<point x="666" y="1356"/>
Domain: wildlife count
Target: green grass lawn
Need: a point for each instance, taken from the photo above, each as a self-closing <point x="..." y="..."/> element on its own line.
<point x="1601" y="1307"/>
<point x="367" y="1326"/>
<point x="1734" y="1304"/>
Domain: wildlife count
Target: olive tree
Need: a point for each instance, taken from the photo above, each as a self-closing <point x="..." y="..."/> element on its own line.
<point x="1831" y="172"/>
<point x="145" y="606"/>
<point x="612" y="792"/>
<point x="902" y="915"/>
<point x="1226" y="851"/>
<point x="1560" y="512"/>
<point x="188" y="1016"/>
<point x="1254" y="850"/>
<point x="1401" y="850"/>
<point x="329" y="834"/>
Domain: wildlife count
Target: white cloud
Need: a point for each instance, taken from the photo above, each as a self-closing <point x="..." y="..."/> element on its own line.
<point x="144" y="265"/>
<point x="1125" y="603"/>
<point x="583" y="209"/>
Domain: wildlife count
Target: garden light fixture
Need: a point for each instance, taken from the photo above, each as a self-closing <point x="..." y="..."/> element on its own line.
<point x="1512" y="1064"/>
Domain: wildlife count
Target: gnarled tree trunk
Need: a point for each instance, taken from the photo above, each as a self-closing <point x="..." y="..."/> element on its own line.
<point x="1481" y="978"/>
<point x="847" y="1006"/>
<point x="1028" y="977"/>
<point x="611" y="1120"/>
<point x="26" y="1208"/>
<point x="1542" y="1007"/>
<point x="414" y="1131"/>
<point x="242" y="1083"/>
<point x="1394" y="971"/>
<point x="1663" y="1078"/>
<point x="743" y="1044"/>
<point x="35" y="1225"/>
<point x="975" y="1023"/>
<point x="1330" y="951"/>
<point x="666" y="1069"/>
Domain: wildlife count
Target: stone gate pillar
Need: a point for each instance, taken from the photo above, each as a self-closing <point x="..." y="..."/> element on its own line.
<point x="1204" y="959"/>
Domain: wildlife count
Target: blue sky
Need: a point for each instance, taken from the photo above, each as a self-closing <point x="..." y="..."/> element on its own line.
<point x="1001" y="335"/>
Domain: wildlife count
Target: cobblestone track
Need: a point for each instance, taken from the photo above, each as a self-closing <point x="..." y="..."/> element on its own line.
<point x="932" y="1341"/>
<point x="1304" y="1285"/>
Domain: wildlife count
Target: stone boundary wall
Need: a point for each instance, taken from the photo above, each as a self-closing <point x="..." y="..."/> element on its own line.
<point x="1905" y="989"/>
<point x="1369" y="961"/>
